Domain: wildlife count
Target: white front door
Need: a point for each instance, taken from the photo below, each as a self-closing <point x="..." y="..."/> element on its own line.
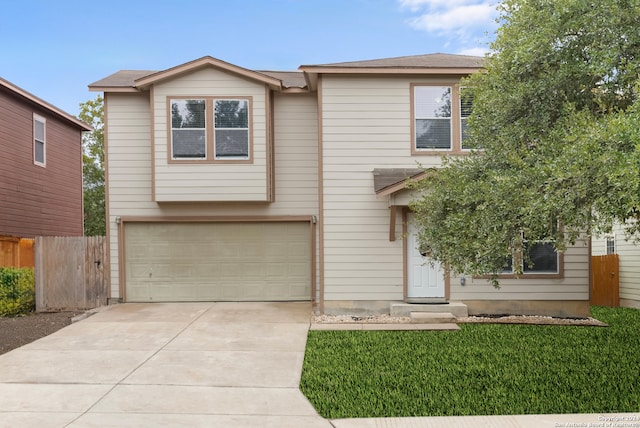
<point x="425" y="279"/>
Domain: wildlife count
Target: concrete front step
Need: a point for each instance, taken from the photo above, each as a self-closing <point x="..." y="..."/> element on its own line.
<point x="432" y="318"/>
<point x="457" y="309"/>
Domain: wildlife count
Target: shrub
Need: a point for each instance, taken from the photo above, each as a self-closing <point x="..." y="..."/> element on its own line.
<point x="17" y="291"/>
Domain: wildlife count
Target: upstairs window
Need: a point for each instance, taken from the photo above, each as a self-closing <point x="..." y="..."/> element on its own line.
<point x="432" y="110"/>
<point x="231" y="129"/>
<point x="210" y="129"/>
<point x="188" y="129"/>
<point x="39" y="140"/>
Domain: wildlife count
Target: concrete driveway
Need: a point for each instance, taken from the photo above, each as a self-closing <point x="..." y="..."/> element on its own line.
<point x="164" y="365"/>
<point x="192" y="365"/>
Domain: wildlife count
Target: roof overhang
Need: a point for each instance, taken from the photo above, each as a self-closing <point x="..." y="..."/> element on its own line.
<point x="45" y="105"/>
<point x="392" y="184"/>
<point x="426" y="65"/>
<point x="388" y="181"/>
<point x="312" y="73"/>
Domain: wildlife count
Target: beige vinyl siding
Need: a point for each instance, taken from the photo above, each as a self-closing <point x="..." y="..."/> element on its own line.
<point x="629" y="268"/>
<point x="192" y="181"/>
<point x="629" y="262"/>
<point x="128" y="156"/>
<point x="574" y="285"/>
<point x="366" y="125"/>
<point x="130" y="177"/>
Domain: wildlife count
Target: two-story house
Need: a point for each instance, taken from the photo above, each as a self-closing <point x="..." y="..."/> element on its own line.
<point x="40" y="166"/>
<point x="232" y="184"/>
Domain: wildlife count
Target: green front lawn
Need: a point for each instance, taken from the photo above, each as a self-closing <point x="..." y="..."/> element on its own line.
<point x="484" y="369"/>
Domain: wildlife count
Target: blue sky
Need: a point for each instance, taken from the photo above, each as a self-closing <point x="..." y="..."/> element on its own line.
<point x="55" y="48"/>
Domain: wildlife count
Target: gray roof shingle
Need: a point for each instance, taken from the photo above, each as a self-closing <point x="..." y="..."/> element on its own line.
<point x="436" y="60"/>
<point x="127" y="78"/>
<point x="122" y="79"/>
<point x="386" y="177"/>
<point x="295" y="79"/>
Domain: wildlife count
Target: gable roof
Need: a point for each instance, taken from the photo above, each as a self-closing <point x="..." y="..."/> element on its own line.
<point x="294" y="81"/>
<point x="16" y="90"/>
<point x="204" y="62"/>
<point x="134" y="80"/>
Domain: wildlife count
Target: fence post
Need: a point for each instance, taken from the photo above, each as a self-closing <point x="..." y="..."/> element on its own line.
<point x="39" y="274"/>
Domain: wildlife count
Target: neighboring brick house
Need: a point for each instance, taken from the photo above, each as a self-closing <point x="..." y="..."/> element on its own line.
<point x="40" y="166"/>
<point x="225" y="183"/>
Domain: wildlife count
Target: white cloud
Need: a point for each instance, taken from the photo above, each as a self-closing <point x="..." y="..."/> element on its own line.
<point x="458" y="18"/>
<point x="416" y="5"/>
<point x="474" y="51"/>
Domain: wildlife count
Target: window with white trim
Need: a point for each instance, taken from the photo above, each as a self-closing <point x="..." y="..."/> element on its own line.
<point x="432" y="111"/>
<point x="210" y="128"/>
<point x="39" y="140"/>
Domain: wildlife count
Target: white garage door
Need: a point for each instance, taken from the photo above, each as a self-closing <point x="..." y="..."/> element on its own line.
<point x="172" y="262"/>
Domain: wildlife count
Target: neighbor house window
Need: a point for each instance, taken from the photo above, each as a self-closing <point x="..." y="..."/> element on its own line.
<point x="39" y="140"/>
<point x="210" y="129"/>
<point x="466" y="107"/>
<point x="432" y="111"/>
<point x="611" y="244"/>
<point x="188" y="129"/>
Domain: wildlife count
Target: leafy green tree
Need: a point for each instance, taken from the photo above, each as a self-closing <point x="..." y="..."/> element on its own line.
<point x="92" y="113"/>
<point x="557" y="116"/>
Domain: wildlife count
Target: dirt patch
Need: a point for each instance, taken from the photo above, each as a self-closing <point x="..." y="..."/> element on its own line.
<point x="18" y="331"/>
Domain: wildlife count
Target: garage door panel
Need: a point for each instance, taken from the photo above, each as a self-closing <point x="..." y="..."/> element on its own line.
<point x="218" y="261"/>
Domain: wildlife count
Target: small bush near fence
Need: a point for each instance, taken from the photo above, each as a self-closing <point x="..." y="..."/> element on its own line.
<point x="17" y="291"/>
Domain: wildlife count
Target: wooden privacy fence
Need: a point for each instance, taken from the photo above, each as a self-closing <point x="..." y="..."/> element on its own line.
<point x="605" y="281"/>
<point x="16" y="252"/>
<point x="70" y="273"/>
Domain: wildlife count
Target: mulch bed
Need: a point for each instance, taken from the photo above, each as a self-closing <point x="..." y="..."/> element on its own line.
<point x="484" y="319"/>
<point x="18" y="331"/>
<point x="531" y="319"/>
